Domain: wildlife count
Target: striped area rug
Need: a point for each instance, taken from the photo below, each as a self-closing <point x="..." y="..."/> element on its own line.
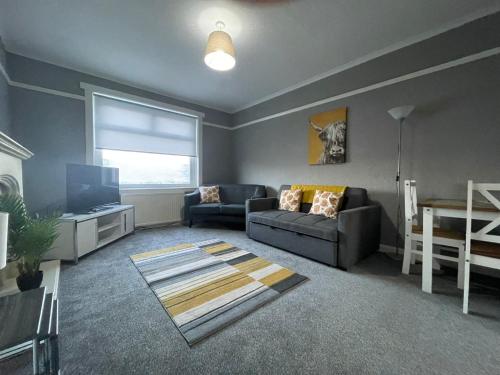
<point x="205" y="286"/>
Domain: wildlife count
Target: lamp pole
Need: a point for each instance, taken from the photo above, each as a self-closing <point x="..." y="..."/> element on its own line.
<point x="398" y="187"/>
<point x="399" y="114"/>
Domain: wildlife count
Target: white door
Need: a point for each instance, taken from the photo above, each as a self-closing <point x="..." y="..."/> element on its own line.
<point x="86" y="236"/>
<point x="129" y="224"/>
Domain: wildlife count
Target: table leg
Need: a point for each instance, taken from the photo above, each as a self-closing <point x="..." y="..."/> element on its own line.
<point x="55" y="354"/>
<point x="36" y="369"/>
<point x="427" y="250"/>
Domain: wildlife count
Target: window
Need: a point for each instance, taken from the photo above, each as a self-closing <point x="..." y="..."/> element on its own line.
<point x="138" y="169"/>
<point x="153" y="145"/>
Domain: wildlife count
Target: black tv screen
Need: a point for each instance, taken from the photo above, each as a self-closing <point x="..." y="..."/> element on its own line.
<point x="89" y="187"/>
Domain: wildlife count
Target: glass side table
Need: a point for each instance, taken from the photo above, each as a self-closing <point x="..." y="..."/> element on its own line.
<point x="22" y="316"/>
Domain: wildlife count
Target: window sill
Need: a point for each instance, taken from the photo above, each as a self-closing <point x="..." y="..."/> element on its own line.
<point x="152" y="191"/>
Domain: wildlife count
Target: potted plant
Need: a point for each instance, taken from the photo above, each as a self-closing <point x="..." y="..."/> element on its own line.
<point x="29" y="238"/>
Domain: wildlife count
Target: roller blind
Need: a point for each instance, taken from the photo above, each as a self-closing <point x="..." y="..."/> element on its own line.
<point x="127" y="126"/>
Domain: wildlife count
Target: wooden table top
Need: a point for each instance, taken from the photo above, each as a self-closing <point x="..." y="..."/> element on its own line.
<point x="457" y="204"/>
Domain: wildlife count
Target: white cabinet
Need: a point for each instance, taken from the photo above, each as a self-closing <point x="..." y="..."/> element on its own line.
<point x="81" y="234"/>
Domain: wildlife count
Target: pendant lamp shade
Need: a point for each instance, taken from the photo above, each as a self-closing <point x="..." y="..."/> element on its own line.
<point x="219" y="54"/>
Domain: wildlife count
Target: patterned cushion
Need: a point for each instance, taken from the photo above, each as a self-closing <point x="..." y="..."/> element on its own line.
<point x="326" y="203"/>
<point x="290" y="200"/>
<point x="209" y="194"/>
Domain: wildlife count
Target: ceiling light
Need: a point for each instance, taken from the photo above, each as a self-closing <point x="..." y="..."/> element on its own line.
<point x="219" y="54"/>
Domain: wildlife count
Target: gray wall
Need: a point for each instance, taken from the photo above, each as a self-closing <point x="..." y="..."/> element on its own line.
<point x="4" y="106"/>
<point x="453" y="135"/>
<point x="4" y="97"/>
<point x="471" y="38"/>
<point x="38" y="73"/>
<point x="53" y="127"/>
<point x="217" y="156"/>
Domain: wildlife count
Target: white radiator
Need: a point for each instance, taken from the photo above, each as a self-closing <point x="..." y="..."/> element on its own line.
<point x="155" y="207"/>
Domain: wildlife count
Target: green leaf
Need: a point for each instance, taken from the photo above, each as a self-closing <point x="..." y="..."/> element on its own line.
<point x="13" y="204"/>
<point x="29" y="238"/>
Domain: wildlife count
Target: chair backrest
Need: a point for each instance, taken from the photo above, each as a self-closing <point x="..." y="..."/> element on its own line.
<point x="411" y="209"/>
<point x="483" y="234"/>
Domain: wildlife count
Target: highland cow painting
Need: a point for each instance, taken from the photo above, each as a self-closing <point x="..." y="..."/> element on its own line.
<point x="327" y="132"/>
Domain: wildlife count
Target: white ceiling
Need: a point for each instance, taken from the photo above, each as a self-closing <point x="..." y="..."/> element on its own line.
<point x="159" y="44"/>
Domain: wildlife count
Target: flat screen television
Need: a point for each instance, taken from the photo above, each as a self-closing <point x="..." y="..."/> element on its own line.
<point x="90" y="187"/>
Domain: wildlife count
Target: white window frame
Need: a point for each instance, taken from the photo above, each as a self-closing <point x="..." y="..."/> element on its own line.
<point x="90" y="151"/>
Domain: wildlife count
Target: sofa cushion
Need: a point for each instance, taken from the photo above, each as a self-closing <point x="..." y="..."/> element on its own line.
<point x="326" y="203"/>
<point x="290" y="200"/>
<point x="312" y="225"/>
<point x="205" y="209"/>
<point x="353" y="198"/>
<point x="309" y="191"/>
<point x="233" y="209"/>
<point x="209" y="194"/>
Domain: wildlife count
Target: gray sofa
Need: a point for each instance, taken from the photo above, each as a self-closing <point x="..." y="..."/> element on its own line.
<point x="340" y="242"/>
<point x="231" y="210"/>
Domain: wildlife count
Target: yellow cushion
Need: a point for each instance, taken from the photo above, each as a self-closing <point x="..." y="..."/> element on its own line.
<point x="309" y="190"/>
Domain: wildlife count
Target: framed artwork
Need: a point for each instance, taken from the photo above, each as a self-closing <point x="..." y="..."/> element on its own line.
<point x="327" y="131"/>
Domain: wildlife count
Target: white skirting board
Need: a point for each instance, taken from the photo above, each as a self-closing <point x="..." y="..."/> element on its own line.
<point x="155" y="207"/>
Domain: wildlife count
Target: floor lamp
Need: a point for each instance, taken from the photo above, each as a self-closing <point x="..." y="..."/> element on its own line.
<point x="400" y="114"/>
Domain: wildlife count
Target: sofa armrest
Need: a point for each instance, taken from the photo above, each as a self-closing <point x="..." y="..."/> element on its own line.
<point x="359" y="234"/>
<point x="190" y="200"/>
<point x="261" y="204"/>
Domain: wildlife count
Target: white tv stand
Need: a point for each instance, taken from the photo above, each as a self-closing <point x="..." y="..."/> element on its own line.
<point x="79" y="234"/>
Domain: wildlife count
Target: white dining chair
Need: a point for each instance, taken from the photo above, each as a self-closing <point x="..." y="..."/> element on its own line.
<point x="482" y="247"/>
<point x="442" y="237"/>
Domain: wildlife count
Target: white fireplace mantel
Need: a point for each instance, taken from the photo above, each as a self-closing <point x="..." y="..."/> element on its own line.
<point x="12" y="148"/>
<point x="12" y="155"/>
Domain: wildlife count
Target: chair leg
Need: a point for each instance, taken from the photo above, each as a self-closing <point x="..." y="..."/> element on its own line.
<point x="190" y="223"/>
<point x="36" y="368"/>
<point x="54" y="355"/>
<point x="46" y="357"/>
<point x="461" y="265"/>
<point x="466" y="286"/>
<point x="435" y="263"/>
<point x="413" y="256"/>
<point x="407" y="257"/>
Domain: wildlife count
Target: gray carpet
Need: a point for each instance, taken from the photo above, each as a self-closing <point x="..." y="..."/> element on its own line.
<point x="371" y="320"/>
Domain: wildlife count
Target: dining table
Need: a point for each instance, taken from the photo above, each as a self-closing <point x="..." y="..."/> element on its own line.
<point x="447" y="208"/>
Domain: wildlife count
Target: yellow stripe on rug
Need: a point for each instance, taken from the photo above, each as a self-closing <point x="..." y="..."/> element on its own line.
<point x="196" y="291"/>
<point x="166" y="250"/>
<point x="252" y="265"/>
<point x="276" y="277"/>
<point x="207" y="297"/>
<point x="217" y="248"/>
